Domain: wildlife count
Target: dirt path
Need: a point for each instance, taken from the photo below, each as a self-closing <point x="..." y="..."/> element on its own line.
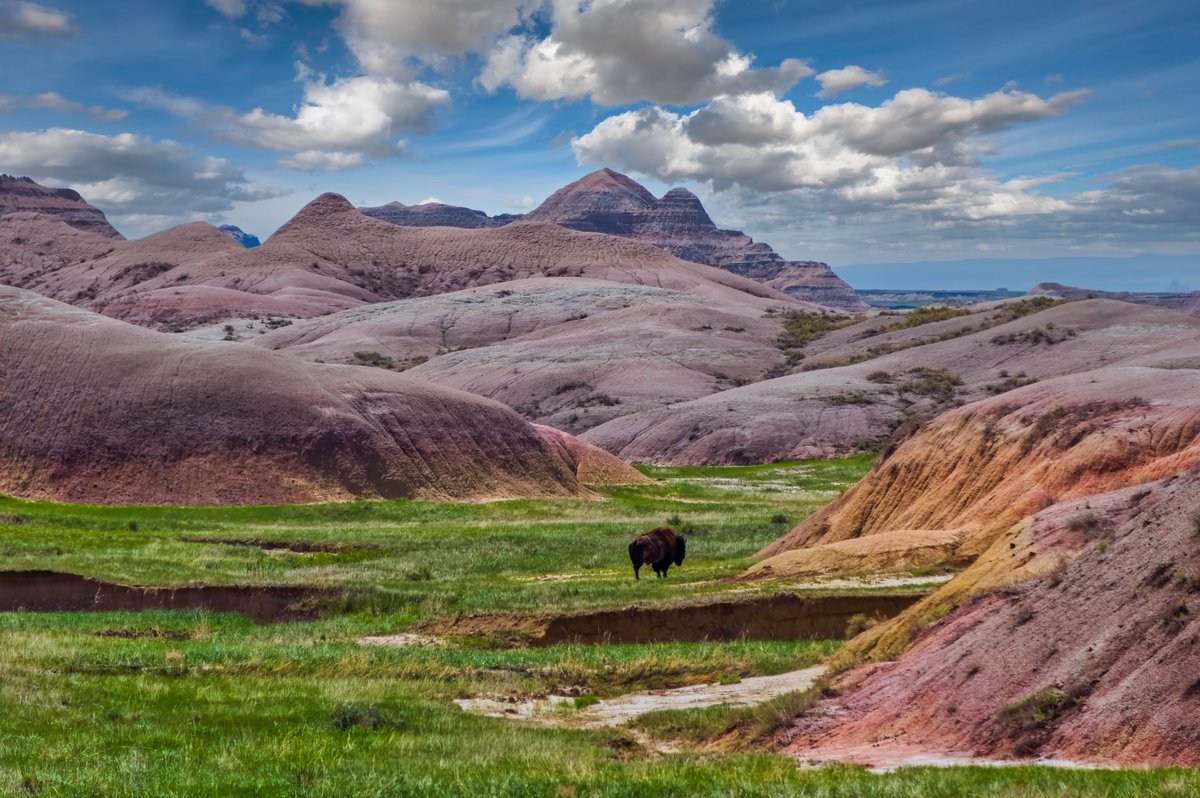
<point x="560" y="710"/>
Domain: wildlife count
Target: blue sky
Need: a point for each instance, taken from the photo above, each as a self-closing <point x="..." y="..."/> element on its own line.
<point x="846" y="132"/>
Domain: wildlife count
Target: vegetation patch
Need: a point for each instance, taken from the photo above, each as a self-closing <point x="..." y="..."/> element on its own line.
<point x="800" y="327"/>
<point x="1034" y="712"/>
<point x="377" y="360"/>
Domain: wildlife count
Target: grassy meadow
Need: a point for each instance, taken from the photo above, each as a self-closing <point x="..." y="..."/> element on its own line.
<point x="191" y="703"/>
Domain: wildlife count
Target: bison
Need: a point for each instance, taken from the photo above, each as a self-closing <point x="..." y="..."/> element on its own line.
<point x="657" y="548"/>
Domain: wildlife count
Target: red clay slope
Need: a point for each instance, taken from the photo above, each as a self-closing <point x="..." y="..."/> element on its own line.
<point x="1097" y="662"/>
<point x="96" y="410"/>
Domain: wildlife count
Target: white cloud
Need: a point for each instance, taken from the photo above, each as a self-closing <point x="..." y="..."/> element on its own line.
<point x="338" y="125"/>
<point x="24" y="20"/>
<point x="620" y="51"/>
<point x="311" y="160"/>
<point x="914" y="152"/>
<point x="56" y="102"/>
<point x="229" y="8"/>
<point x="128" y="174"/>
<point x="524" y="203"/>
<point x="385" y="34"/>
<point x="835" y="81"/>
<point x="363" y="114"/>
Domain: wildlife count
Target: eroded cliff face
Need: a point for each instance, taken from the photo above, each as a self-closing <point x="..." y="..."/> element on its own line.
<point x="149" y="417"/>
<point x="20" y="194"/>
<point x="1098" y="660"/>
<point x="979" y="469"/>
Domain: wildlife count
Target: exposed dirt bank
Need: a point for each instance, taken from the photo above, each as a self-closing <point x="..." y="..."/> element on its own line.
<point x="787" y="616"/>
<point x="49" y="591"/>
<point x="298" y="546"/>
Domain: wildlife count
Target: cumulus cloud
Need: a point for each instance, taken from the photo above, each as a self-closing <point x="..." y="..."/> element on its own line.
<point x="761" y="142"/>
<point x="24" y="20"/>
<point x="905" y="175"/>
<point x="913" y="156"/>
<point x="385" y="34"/>
<point x="620" y="51"/>
<point x="54" y="101"/>
<point x="339" y="124"/>
<point x="128" y="174"/>
<point x="835" y="81"/>
<point x="362" y="115"/>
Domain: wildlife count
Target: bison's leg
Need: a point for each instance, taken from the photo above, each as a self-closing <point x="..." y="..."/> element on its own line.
<point x="635" y="556"/>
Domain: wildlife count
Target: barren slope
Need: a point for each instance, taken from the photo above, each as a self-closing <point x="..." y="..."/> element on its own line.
<point x="93" y="409"/>
<point x="1097" y="661"/>
<point x="570" y="352"/>
<point x="330" y="257"/>
<point x="830" y="411"/>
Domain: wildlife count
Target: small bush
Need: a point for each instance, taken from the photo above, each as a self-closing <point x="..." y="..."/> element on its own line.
<point x="857" y="624"/>
<point x="779" y="518"/>
<point x="421" y="574"/>
<point x="927" y="315"/>
<point x="1032" y="712"/>
<point x="1083" y="523"/>
<point x="800" y="327"/>
<point x="586" y="700"/>
<point x="879" y="377"/>
<point x="132" y="526"/>
<point x="936" y="383"/>
<point x="674" y="520"/>
<point x="569" y="386"/>
<point x="348" y="716"/>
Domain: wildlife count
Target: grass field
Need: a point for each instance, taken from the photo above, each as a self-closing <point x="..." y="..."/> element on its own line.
<point x="192" y="703"/>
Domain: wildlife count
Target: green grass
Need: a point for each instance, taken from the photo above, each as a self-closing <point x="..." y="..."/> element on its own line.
<point x="425" y="559"/>
<point x="191" y="703"/>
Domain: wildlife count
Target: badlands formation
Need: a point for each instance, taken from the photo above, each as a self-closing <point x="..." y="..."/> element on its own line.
<point x="147" y="417"/>
<point x="1045" y="450"/>
<point x="609" y="202"/>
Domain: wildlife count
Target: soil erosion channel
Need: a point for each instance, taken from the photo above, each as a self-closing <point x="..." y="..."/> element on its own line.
<point x="51" y="591"/>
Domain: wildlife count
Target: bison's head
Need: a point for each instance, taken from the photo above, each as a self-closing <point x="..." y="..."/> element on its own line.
<point x="680" y="549"/>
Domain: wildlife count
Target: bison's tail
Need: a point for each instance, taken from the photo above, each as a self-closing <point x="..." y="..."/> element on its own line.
<point x="635" y="556"/>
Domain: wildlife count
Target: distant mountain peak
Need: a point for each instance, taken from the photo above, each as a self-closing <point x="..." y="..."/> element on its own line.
<point x="606" y="201"/>
<point x="239" y="235"/>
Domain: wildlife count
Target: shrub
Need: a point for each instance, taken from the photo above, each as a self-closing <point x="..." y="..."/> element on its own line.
<point x="674" y="520"/>
<point x="347" y="716"/>
<point x="1032" y="712"/>
<point x="800" y="327"/>
<point x="927" y="315"/>
<point x="779" y="518"/>
<point x="933" y="382"/>
<point x="879" y="377"/>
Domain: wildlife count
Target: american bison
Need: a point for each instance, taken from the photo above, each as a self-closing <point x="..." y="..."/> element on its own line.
<point x="657" y="548"/>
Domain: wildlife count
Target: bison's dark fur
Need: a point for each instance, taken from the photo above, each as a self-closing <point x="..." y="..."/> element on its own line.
<point x="657" y="548"/>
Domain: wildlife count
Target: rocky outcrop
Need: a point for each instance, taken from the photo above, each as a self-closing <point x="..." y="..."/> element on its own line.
<point x="239" y="235"/>
<point x="20" y="194"/>
<point x="148" y="417"/>
<point x="606" y="201"/>
<point x="328" y="257"/>
<point x="609" y="202"/>
<point x="436" y="214"/>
